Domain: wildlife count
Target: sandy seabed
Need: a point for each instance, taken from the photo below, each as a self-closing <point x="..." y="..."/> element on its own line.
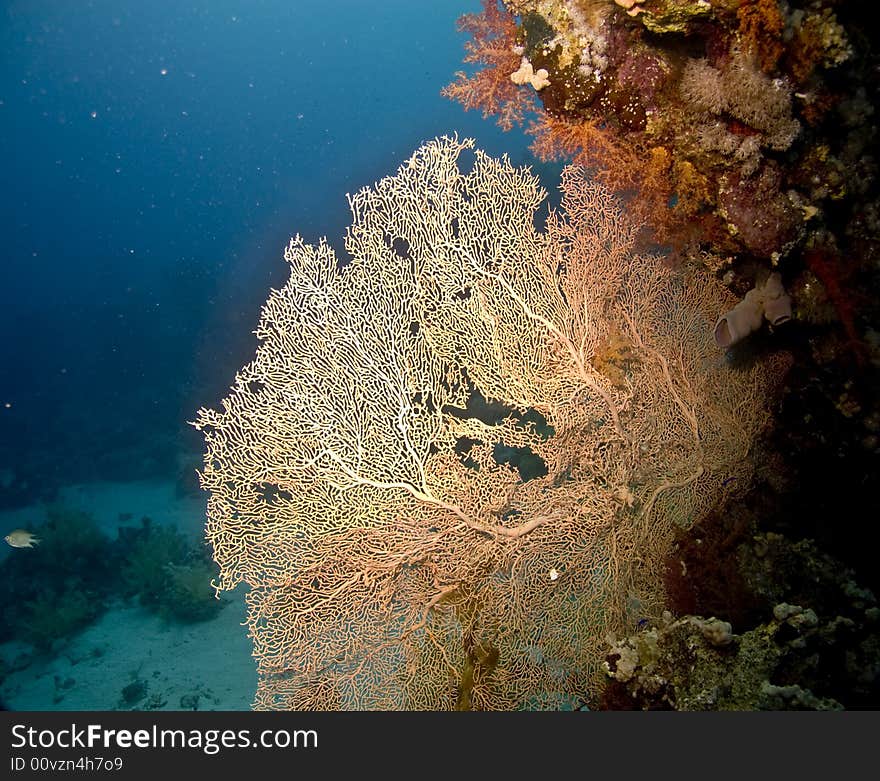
<point x="130" y="658"/>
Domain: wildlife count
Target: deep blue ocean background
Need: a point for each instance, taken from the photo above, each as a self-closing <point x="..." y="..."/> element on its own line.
<point x="156" y="158"/>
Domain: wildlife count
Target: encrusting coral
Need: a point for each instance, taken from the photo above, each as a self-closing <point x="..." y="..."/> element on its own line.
<point x="811" y="642"/>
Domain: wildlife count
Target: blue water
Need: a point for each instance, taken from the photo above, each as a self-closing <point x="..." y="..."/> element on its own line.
<point x="156" y="158"/>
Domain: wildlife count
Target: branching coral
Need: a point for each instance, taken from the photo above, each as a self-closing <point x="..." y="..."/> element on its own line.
<point x="396" y="558"/>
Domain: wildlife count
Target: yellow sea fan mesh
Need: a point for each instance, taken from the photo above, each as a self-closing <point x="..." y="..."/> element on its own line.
<point x="363" y="472"/>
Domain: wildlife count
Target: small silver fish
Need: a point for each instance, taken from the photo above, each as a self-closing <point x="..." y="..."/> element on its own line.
<point x="21" y="538"/>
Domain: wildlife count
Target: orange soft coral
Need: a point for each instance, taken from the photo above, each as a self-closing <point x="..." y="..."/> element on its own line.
<point x="492" y="47"/>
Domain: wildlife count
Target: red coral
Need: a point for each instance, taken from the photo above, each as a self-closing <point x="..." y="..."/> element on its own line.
<point x="827" y="265"/>
<point x="490" y="89"/>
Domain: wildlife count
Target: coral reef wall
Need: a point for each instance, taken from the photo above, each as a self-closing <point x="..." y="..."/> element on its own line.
<point x="743" y="133"/>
